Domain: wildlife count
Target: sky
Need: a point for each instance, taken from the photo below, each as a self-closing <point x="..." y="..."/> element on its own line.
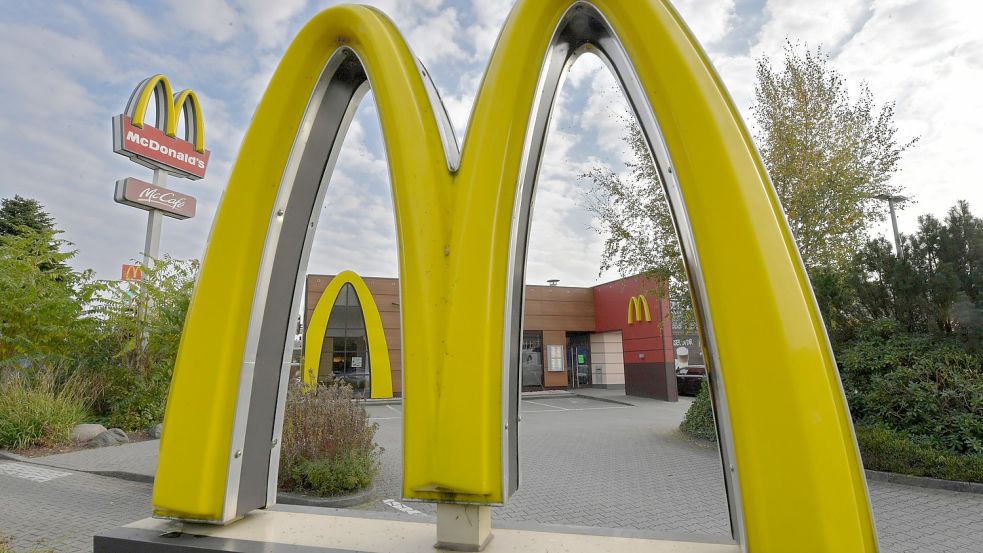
<point x="70" y="66"/>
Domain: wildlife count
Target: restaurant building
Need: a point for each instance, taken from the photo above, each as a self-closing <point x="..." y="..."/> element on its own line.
<point x="613" y="335"/>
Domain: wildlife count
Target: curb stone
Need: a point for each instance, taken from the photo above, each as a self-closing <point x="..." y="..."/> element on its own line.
<point x="925" y="482"/>
<point x="337" y="501"/>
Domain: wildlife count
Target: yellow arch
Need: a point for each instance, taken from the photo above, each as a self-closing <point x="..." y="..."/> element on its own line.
<point x="454" y="228"/>
<point x="638" y="307"/>
<point x="172" y="106"/>
<point x="379" y="368"/>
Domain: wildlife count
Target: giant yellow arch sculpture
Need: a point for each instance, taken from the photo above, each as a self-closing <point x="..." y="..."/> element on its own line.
<point x="380" y="373"/>
<point x="791" y="464"/>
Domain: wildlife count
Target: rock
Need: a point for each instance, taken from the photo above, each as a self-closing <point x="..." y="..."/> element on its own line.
<point x="156" y="431"/>
<point x="113" y="436"/>
<point x="85" y="432"/>
<point x="120" y="434"/>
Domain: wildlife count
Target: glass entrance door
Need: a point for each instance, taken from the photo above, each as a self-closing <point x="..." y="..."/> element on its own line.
<point x="578" y="360"/>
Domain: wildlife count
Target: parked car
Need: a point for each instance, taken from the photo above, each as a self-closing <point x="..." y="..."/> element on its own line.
<point x="689" y="379"/>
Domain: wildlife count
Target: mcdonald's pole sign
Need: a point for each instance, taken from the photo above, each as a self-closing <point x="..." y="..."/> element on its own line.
<point x="159" y="148"/>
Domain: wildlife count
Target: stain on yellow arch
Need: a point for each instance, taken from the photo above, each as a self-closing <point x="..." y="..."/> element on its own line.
<point x="380" y="375"/>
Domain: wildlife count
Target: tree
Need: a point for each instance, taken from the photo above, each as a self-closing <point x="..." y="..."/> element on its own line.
<point x="935" y="286"/>
<point x="42" y="316"/>
<point x="634" y="215"/>
<point x="827" y="157"/>
<point x="19" y="212"/>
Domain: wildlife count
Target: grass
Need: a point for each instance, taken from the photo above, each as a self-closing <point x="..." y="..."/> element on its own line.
<point x="38" y="410"/>
<point x="888" y="451"/>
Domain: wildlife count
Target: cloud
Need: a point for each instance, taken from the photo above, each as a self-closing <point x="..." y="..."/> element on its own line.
<point x="70" y="67"/>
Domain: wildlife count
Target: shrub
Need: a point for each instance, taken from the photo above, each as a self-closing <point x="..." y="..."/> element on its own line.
<point x="698" y="421"/>
<point x="927" y="387"/>
<point x="38" y="410"/>
<point x="885" y="450"/>
<point x="135" y="400"/>
<point x="140" y="330"/>
<point x="328" y="446"/>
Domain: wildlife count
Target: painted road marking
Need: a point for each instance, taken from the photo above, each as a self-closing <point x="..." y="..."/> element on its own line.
<point x="31" y="472"/>
<point x="558" y="409"/>
<point x="554" y="407"/>
<point x="400" y="507"/>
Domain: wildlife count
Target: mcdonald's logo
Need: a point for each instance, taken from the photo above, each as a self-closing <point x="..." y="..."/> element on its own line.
<point x="131" y="272"/>
<point x="462" y="220"/>
<point x="638" y="307"/>
<point x="158" y="146"/>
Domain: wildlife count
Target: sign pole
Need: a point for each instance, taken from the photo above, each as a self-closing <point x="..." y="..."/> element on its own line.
<point x="151" y="248"/>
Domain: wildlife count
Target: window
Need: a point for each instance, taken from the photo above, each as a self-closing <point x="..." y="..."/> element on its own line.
<point x="532" y="358"/>
<point x="346" y="342"/>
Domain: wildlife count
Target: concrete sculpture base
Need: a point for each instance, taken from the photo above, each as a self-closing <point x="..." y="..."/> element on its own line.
<point x="291" y="529"/>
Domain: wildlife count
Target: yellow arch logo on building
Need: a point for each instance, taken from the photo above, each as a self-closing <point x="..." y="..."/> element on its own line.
<point x="462" y="221"/>
<point x="380" y="375"/>
<point x="638" y="307"/>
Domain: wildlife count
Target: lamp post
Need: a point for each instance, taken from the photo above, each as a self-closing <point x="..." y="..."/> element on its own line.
<point x="891" y="199"/>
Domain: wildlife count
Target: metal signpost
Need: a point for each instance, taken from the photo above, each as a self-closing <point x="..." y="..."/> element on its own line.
<point x="159" y="148"/>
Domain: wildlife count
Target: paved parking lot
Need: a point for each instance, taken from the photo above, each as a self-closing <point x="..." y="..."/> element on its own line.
<point x="583" y="462"/>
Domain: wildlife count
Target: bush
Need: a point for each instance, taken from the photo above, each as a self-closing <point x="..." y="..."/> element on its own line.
<point x="698" y="421"/>
<point x="140" y="330"/>
<point x="328" y="446"/>
<point x="38" y="410"/>
<point x="885" y="450"/>
<point x="135" y="400"/>
<point x="927" y="387"/>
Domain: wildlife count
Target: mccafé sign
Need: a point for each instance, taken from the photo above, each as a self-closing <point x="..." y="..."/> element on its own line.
<point x="143" y="195"/>
<point x="159" y="147"/>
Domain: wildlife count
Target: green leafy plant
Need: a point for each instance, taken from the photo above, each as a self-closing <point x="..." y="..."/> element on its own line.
<point x="42" y="316"/>
<point x="36" y="409"/>
<point x="927" y="387"/>
<point x="885" y="450"/>
<point x="698" y="421"/>
<point x="328" y="446"/>
<point x="140" y="330"/>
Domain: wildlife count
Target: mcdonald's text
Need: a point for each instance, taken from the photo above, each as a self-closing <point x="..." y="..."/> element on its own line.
<point x="153" y="148"/>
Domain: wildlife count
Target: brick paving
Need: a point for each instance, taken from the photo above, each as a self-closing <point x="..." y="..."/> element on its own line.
<point x="584" y="462"/>
<point x="64" y="513"/>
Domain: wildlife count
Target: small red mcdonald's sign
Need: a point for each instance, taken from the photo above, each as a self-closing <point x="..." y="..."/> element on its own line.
<point x="132" y="272"/>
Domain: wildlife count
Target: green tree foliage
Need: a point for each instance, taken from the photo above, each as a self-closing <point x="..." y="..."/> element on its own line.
<point x="936" y="285"/>
<point x="634" y="217"/>
<point x="118" y="338"/>
<point x="828" y="157"/>
<point x="18" y="212"/>
<point x="140" y="329"/>
<point x="922" y="385"/>
<point x="42" y="315"/>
